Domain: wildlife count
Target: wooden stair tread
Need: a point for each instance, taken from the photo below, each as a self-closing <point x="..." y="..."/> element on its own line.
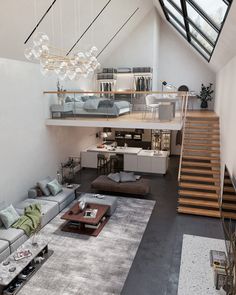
<point x="209" y="151"/>
<point x="200" y="171"/>
<point x="202" y="132"/>
<point x="197" y="211"/>
<point x="211" y="187"/>
<point x="200" y="178"/>
<point x="200" y="164"/>
<point x="229" y="206"/>
<point x="197" y="144"/>
<point x="202" y="123"/>
<point x="227" y="181"/>
<point x="200" y="127"/>
<point x="201" y="157"/>
<point x="229" y="197"/>
<point x="229" y="189"/>
<point x="200" y="203"/>
<point x="204" y="139"/>
<point x="230" y="215"/>
<point x="203" y="118"/>
<point x="196" y="194"/>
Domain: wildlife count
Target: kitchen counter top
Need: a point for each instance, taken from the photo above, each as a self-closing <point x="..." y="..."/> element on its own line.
<point x="118" y="150"/>
<point x="152" y="153"/>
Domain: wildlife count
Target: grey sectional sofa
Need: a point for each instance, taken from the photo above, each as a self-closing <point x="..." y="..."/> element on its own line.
<point x="11" y="239"/>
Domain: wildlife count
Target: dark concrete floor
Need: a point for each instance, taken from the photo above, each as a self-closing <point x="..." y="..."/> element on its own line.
<point x="155" y="269"/>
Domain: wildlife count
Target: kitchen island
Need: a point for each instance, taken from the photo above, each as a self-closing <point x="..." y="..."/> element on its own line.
<point x="135" y="159"/>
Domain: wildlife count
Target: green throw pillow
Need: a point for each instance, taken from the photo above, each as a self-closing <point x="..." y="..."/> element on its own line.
<point x="54" y="187"/>
<point x="9" y="216"/>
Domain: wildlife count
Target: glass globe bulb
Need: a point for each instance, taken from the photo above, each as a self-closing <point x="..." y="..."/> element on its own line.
<point x="37" y="51"/>
<point x="29" y="54"/>
<point x="45" y="49"/>
<point x="45" y="40"/>
<point x="71" y="74"/>
<point x="78" y="70"/>
<point x="81" y="57"/>
<point x="37" y="39"/>
<point x="44" y="61"/>
<point x="94" y="51"/>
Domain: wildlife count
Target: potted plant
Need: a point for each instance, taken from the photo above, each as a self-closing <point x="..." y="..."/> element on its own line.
<point x="205" y="95"/>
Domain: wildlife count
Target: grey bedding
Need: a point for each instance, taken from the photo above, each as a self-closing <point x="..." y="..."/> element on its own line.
<point x="100" y="107"/>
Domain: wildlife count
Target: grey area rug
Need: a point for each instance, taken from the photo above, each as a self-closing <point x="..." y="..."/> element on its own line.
<point x="87" y="265"/>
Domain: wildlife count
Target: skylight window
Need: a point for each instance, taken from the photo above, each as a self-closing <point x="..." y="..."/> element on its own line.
<point x="199" y="21"/>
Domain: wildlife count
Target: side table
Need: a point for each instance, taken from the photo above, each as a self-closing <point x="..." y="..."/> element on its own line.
<point x="74" y="186"/>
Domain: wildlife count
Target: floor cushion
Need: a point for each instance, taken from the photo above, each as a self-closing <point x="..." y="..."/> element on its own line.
<point x="107" y="200"/>
<point x="139" y="187"/>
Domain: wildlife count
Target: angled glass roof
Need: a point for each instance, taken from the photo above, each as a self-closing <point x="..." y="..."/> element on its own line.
<point x="199" y="21"/>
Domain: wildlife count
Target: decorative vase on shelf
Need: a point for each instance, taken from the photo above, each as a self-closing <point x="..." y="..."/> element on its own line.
<point x="204" y="104"/>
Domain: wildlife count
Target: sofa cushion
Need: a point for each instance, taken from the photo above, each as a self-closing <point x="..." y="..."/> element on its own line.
<point x="59" y="198"/>
<point x="127" y="177"/>
<point x="43" y="185"/>
<point x="48" y="209"/>
<point x="3" y="245"/>
<point x="114" y="176"/>
<point x="10" y="234"/>
<point x="9" y="216"/>
<point x="54" y="187"/>
<point x="3" y="205"/>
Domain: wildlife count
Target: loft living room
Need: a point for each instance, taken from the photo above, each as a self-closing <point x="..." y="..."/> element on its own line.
<point x="118" y="147"/>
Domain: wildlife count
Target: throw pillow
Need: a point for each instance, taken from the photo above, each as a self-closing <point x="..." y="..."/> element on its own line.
<point x="42" y="184"/>
<point x="114" y="176"/>
<point x="9" y="216"/>
<point x="127" y="177"/>
<point x="54" y="187"/>
<point x="3" y="205"/>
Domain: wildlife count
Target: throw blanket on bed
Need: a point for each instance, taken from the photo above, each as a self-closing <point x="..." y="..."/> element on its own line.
<point x="30" y="221"/>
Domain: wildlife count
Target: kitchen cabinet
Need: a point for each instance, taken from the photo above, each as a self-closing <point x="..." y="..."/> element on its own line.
<point x="130" y="162"/>
<point x="89" y="159"/>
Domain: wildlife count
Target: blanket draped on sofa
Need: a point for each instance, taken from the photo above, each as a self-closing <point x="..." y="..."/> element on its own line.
<point x="30" y="221"/>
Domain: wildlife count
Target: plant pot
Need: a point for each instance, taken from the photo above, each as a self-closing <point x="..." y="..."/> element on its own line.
<point x="204" y="104"/>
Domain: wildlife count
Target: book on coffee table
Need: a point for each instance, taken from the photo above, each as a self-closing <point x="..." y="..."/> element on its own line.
<point x="90" y="213"/>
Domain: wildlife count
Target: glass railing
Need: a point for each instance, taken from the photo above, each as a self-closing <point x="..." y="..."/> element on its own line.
<point x="146" y="106"/>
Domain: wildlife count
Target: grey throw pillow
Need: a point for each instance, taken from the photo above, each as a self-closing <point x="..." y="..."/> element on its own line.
<point x="3" y="205"/>
<point x="114" y="176"/>
<point x="54" y="187"/>
<point x="127" y="177"/>
<point x="9" y="216"/>
<point x="43" y="185"/>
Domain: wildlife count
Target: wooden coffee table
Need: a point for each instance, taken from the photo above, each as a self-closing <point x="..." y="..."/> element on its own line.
<point x="78" y="223"/>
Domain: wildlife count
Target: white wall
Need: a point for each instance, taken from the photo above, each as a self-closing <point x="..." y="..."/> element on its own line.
<point x="225" y="107"/>
<point x="140" y="48"/>
<point x="30" y="150"/>
<point x="179" y="64"/>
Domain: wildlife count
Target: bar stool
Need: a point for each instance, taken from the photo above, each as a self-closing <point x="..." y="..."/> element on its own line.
<point x="102" y="162"/>
<point x="114" y="161"/>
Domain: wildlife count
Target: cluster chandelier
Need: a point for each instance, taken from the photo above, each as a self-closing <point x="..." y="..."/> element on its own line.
<point x="54" y="60"/>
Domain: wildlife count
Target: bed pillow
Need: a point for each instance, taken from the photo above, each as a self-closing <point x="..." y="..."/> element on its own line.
<point x="114" y="176"/>
<point x="127" y="177"/>
<point x="9" y="216"/>
<point x="42" y="184"/>
<point x="91" y="104"/>
<point x="54" y="187"/>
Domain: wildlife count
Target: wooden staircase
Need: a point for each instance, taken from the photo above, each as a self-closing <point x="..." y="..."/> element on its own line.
<point x="199" y="177"/>
<point x="229" y="198"/>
